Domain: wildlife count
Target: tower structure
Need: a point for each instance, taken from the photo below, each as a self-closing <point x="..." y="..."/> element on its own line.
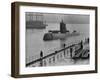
<point x="62" y="27"/>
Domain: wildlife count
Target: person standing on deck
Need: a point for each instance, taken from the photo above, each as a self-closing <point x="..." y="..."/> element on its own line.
<point x="41" y="56"/>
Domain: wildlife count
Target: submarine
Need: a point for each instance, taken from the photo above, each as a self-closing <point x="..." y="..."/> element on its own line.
<point x="59" y="34"/>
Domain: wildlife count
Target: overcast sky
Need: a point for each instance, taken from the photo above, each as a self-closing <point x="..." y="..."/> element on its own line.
<point x="56" y="18"/>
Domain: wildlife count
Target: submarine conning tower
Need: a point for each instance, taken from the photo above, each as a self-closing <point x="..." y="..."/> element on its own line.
<point x="62" y="27"/>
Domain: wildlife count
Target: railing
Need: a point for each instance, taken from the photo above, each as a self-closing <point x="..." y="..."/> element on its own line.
<point x="55" y="55"/>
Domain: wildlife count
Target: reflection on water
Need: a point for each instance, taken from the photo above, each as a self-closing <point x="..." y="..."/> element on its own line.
<point x="35" y="43"/>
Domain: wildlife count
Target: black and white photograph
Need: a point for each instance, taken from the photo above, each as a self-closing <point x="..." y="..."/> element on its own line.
<point x="55" y="39"/>
<point x="52" y="39"/>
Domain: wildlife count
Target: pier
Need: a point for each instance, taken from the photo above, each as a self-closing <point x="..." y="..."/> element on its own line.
<point x="72" y="52"/>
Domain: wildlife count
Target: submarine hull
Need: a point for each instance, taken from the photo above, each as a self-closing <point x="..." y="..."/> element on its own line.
<point x="55" y="36"/>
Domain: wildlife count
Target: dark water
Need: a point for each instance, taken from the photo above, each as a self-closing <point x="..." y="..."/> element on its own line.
<point x="35" y="43"/>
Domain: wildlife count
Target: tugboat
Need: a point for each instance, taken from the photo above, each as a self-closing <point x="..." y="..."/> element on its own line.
<point x="59" y="34"/>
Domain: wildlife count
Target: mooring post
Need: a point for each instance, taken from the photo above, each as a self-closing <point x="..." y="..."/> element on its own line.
<point x="41" y="56"/>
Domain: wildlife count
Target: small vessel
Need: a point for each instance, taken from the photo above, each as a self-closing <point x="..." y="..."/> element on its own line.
<point x="59" y="34"/>
<point x="35" y="25"/>
<point x="82" y="54"/>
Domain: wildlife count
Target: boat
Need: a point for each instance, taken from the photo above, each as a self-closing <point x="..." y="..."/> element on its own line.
<point x="82" y="54"/>
<point x="63" y="33"/>
<point x="37" y="23"/>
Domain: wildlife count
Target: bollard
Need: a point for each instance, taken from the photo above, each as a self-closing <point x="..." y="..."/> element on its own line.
<point x="41" y="61"/>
